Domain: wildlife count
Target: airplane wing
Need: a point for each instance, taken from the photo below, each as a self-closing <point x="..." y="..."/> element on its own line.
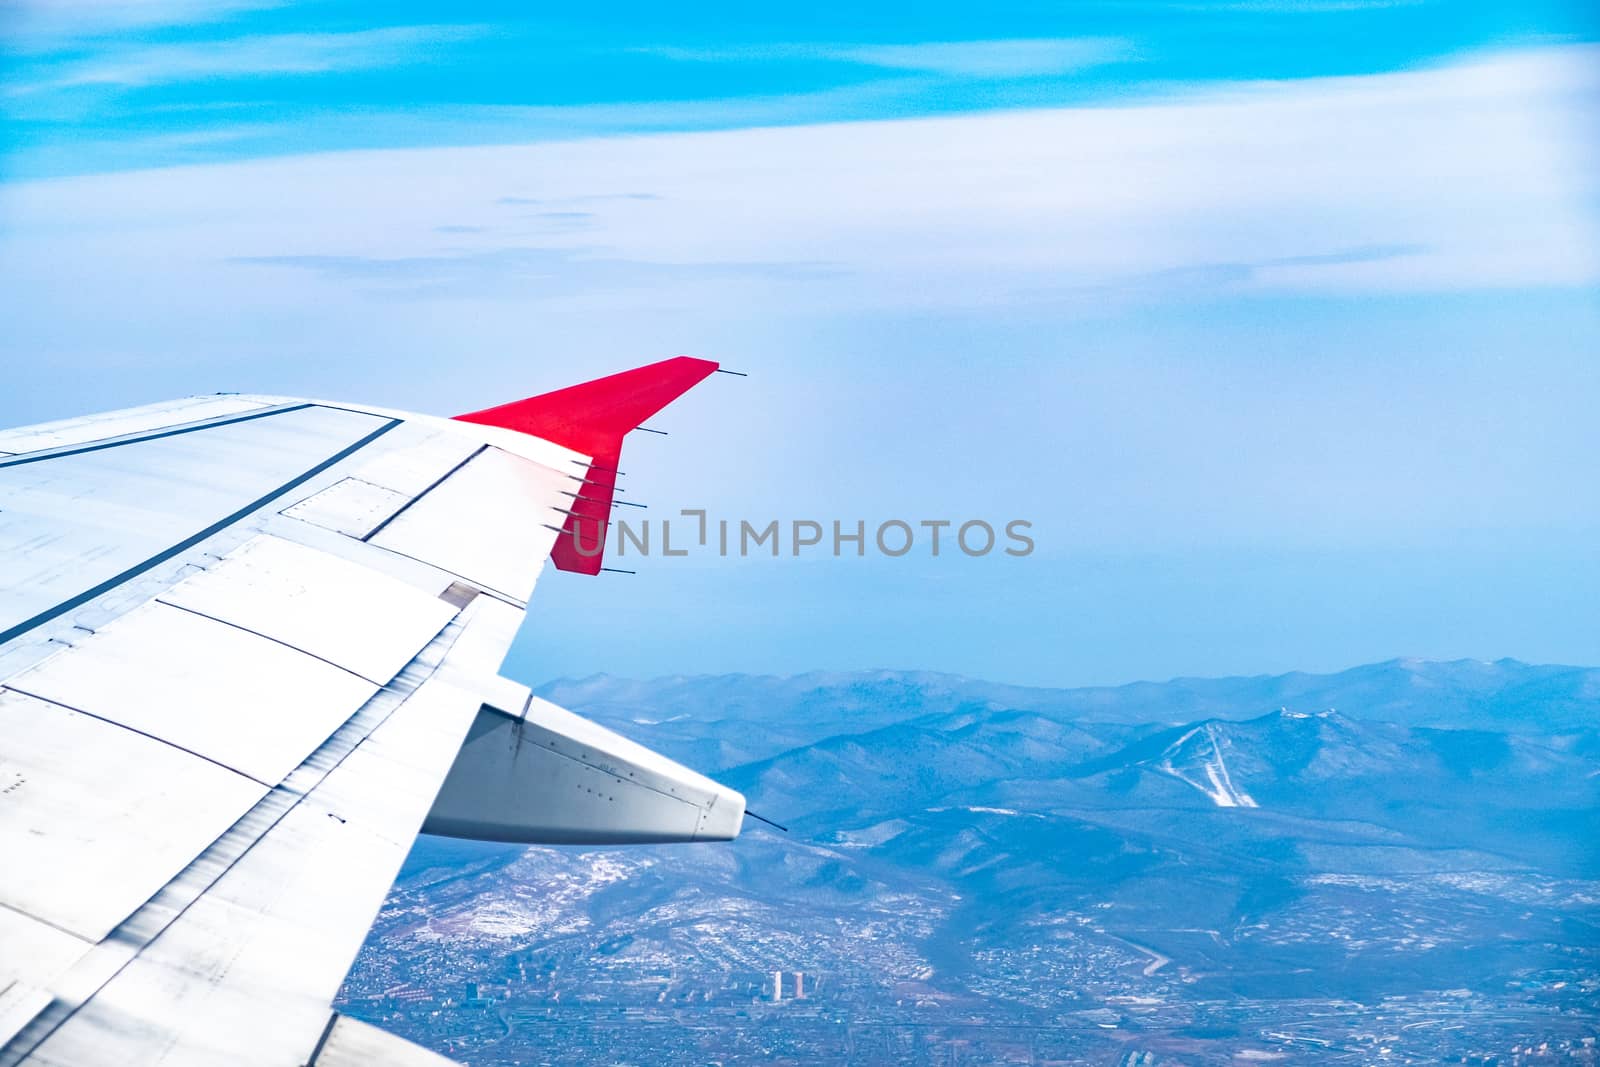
<point x="249" y="646"/>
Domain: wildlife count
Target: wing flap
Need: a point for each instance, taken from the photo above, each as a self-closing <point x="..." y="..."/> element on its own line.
<point x="242" y="971"/>
<point x="19" y="1003"/>
<point x="248" y="703"/>
<point x="96" y="818"/>
<point x="330" y="608"/>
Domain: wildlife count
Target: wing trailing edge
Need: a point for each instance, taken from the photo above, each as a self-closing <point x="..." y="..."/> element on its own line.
<point x="593" y="418"/>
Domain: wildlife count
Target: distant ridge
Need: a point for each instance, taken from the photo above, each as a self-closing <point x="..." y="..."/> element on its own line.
<point x="1504" y="695"/>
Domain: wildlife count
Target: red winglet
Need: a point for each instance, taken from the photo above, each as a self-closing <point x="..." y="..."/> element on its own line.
<point x="593" y="418"/>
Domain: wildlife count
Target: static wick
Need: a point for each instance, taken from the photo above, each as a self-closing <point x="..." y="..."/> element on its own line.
<point x="627" y="503"/>
<point x="766" y="820"/>
<point x="735" y="373"/>
<point x="587" y="481"/>
<point x="597" y="499"/>
<point x="647" y="429"/>
<point x="597" y="467"/>
<point x="618" y="570"/>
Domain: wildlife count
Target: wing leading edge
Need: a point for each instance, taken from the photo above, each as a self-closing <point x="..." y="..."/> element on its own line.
<point x="283" y="622"/>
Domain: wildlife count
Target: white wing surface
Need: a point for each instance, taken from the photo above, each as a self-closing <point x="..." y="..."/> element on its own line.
<point x="242" y="643"/>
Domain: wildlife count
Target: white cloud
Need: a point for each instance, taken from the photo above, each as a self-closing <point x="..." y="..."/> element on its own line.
<point x="266" y="54"/>
<point x="1015" y="58"/>
<point x="33" y="24"/>
<point x="1474" y="176"/>
<point x="1290" y="7"/>
<point x="994" y="59"/>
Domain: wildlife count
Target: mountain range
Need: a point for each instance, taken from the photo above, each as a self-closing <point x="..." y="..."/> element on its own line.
<point x="1186" y="870"/>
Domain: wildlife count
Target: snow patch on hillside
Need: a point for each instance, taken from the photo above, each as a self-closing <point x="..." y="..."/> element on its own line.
<point x="1204" y="768"/>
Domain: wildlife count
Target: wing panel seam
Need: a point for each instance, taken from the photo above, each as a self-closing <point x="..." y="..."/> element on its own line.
<point x="189" y="542"/>
<point x="13" y="687"/>
<point x="492" y="593"/>
<point x="289" y="645"/>
<point x="436" y="483"/>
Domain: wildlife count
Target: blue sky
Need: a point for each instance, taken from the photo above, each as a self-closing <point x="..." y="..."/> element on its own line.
<point x="1278" y="319"/>
<point x="101" y="84"/>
